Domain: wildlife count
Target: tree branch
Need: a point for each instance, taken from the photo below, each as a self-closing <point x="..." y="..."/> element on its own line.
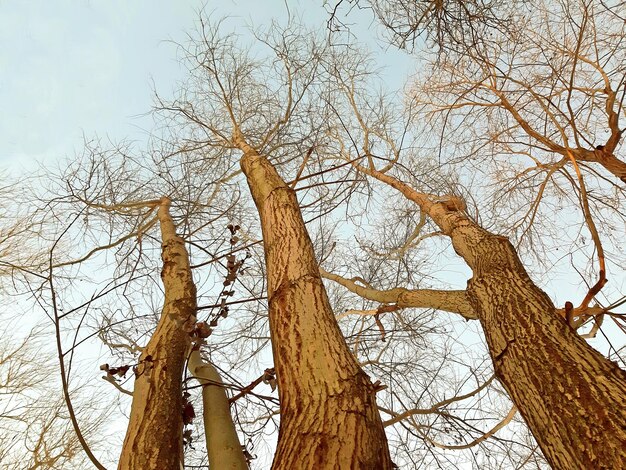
<point x="453" y="301"/>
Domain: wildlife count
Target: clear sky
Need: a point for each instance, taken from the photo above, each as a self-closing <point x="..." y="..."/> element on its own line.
<point x="74" y="67"/>
<point x="70" y="67"/>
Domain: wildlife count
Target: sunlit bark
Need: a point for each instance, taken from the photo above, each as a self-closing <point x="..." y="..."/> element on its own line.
<point x="569" y="394"/>
<point x="329" y="417"/>
<point x="154" y="437"/>
<point x="453" y="301"/>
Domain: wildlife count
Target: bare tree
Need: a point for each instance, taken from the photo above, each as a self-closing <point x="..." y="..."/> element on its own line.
<point x="448" y="25"/>
<point x="528" y="337"/>
<point x="314" y="175"/>
<point x="154" y="438"/>
<point x="500" y="293"/>
<point x="35" y="429"/>
<point x="218" y="108"/>
<point x="329" y="417"/>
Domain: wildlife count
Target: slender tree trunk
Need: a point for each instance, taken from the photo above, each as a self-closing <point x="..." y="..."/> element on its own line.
<point x="222" y="443"/>
<point x="154" y="436"/>
<point x="571" y="396"/>
<point x="328" y="412"/>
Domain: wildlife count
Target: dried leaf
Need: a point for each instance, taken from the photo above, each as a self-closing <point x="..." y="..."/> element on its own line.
<point x="272" y="384"/>
<point x="121" y="371"/>
<point x="203" y="330"/>
<point x="188" y="413"/>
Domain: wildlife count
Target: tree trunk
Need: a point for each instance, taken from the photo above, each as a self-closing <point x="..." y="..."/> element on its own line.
<point x="222" y="443"/>
<point x="328" y="412"/>
<point x="154" y="437"/>
<point x="571" y="396"/>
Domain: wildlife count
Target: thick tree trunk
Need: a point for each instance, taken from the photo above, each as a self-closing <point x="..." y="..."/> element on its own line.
<point x="571" y="397"/>
<point x="328" y="412"/>
<point x="154" y="436"/>
<point x="222" y="443"/>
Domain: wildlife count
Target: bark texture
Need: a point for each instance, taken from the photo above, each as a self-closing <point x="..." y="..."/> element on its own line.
<point x="329" y="417"/>
<point x="222" y="443"/>
<point x="571" y="396"/>
<point x="154" y="437"/>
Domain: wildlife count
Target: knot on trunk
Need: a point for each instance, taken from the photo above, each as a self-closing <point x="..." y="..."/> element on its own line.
<point x="452" y="203"/>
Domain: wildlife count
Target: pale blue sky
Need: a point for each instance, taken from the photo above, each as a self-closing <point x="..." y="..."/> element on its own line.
<point x="70" y="67"/>
<point x="74" y="66"/>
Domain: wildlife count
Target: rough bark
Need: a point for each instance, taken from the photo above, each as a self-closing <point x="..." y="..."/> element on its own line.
<point x="328" y="412"/>
<point x="154" y="436"/>
<point x="222" y="443"/>
<point x="571" y="397"/>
